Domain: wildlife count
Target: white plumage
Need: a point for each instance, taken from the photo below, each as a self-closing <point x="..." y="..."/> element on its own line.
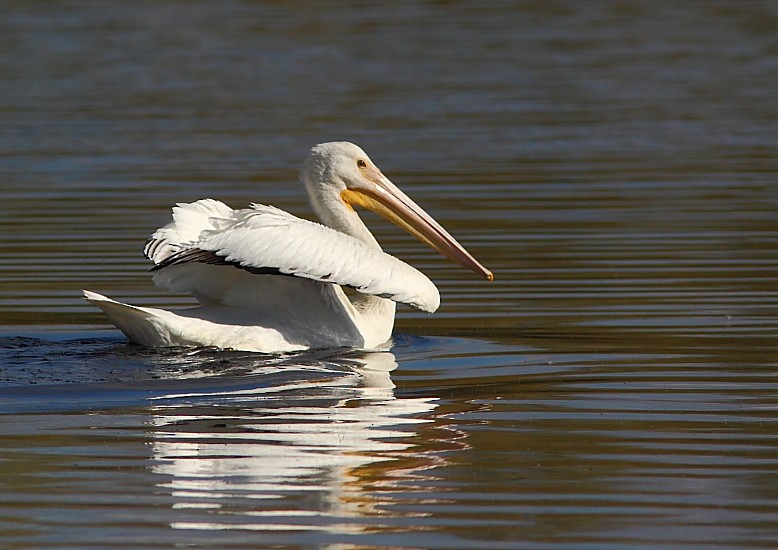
<point x="268" y="281"/>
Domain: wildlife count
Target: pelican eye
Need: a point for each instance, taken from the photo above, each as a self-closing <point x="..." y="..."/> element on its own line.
<point x="361" y="163"/>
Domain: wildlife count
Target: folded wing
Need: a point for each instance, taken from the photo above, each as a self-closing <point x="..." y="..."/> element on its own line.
<point x="183" y="232"/>
<point x="209" y="248"/>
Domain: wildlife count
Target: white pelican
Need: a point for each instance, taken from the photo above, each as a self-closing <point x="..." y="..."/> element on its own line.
<point x="268" y="281"/>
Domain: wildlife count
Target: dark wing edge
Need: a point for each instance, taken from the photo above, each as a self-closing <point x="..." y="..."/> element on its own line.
<point x="210" y="257"/>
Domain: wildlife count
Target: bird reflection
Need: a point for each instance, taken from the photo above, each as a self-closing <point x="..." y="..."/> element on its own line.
<point x="302" y="452"/>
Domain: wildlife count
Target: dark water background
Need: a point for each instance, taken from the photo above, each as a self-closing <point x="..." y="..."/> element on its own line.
<point x="614" y="163"/>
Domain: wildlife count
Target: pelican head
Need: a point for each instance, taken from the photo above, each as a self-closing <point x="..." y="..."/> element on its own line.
<point x="340" y="176"/>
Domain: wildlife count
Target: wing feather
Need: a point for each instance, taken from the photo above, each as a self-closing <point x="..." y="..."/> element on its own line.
<point x="183" y="232"/>
<point x="265" y="240"/>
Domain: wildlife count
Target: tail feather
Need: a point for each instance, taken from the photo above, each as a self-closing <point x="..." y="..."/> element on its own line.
<point x="226" y="328"/>
<point x="140" y="325"/>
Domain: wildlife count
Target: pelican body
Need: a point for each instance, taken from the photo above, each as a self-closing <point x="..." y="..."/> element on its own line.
<point x="268" y="281"/>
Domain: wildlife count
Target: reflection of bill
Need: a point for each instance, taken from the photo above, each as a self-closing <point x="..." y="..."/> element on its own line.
<point x="296" y="456"/>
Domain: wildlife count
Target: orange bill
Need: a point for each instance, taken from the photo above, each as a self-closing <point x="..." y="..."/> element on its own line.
<point x="385" y="199"/>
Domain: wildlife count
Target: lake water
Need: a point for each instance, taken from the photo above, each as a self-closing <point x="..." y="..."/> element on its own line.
<point x="614" y="163"/>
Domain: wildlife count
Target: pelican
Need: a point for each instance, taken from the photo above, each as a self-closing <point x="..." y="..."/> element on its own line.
<point x="268" y="281"/>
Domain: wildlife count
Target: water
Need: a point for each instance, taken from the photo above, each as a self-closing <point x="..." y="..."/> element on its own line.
<point x="613" y="164"/>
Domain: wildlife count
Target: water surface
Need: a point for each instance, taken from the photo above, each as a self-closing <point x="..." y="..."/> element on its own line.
<point x="613" y="164"/>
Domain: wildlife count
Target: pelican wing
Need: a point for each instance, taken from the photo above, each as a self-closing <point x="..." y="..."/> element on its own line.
<point x="264" y="240"/>
<point x="183" y="232"/>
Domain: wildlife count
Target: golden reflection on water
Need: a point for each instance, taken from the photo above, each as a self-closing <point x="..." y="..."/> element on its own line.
<point x="330" y="451"/>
